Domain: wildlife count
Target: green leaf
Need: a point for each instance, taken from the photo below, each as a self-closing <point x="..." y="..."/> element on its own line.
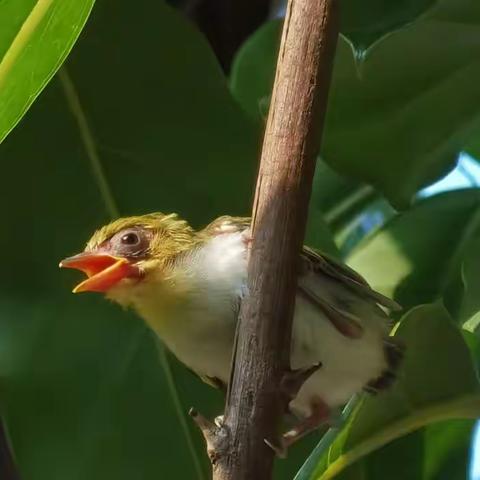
<point x="365" y="217"/>
<point x="253" y="69"/>
<point x="366" y="22"/>
<point x="35" y="38"/>
<point x="469" y="306"/>
<point x="429" y="389"/>
<point x="318" y="234"/>
<point x="350" y="209"/>
<point x="439" y="451"/>
<point x="399" y="115"/>
<point x="422" y="250"/>
<point x="447" y="450"/>
<point x="436" y="452"/>
<point x="337" y="196"/>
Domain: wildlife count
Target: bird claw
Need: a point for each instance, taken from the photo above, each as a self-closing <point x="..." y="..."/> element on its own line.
<point x="320" y="415"/>
<point x="280" y="448"/>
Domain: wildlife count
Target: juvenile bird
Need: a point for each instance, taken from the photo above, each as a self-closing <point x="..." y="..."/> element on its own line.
<point x="187" y="286"/>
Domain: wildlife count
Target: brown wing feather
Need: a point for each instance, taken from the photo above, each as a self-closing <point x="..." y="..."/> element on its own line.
<point x="326" y="265"/>
<point x="342" y="317"/>
<point x="226" y="224"/>
<point x="346" y="323"/>
<point x="340" y="309"/>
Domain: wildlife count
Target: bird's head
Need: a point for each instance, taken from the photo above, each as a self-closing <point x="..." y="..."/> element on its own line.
<point x="130" y="251"/>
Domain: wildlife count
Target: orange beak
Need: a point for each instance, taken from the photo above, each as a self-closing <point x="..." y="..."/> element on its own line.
<point x="103" y="270"/>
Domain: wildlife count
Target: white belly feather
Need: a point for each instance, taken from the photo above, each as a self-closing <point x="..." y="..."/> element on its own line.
<point x="204" y="341"/>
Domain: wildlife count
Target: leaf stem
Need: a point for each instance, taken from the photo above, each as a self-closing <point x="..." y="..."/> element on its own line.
<point x="88" y="140"/>
<point x="467" y="406"/>
<point x="180" y="411"/>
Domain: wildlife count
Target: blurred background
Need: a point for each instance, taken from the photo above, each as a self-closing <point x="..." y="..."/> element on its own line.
<point x="113" y="108"/>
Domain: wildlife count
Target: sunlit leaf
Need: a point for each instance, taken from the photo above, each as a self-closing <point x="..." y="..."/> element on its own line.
<point x="35" y="38"/>
<point x="422" y="250"/>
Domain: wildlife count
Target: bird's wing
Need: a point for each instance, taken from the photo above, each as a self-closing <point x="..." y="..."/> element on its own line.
<point x="226" y="224"/>
<point x="341" y="293"/>
<point x="326" y="265"/>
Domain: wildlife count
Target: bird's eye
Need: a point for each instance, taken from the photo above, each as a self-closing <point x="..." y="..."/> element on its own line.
<point x="130" y="239"/>
<point x="132" y="242"/>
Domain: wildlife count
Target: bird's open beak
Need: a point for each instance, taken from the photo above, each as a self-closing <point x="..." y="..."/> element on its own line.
<point x="103" y="270"/>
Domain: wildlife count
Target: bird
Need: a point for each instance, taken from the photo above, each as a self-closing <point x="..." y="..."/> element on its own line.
<point x="187" y="286"/>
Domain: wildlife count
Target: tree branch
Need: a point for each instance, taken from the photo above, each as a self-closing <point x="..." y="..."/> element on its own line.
<point x="256" y="400"/>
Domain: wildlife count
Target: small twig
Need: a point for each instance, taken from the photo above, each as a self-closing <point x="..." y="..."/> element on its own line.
<point x="213" y="433"/>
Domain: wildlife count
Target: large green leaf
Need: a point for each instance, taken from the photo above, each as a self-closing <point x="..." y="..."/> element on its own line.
<point x="438" y="382"/>
<point x="423" y="249"/>
<point x="351" y="209"/>
<point x="337" y="196"/>
<point x="438" y="451"/>
<point x="365" y="22"/>
<point x="35" y="38"/>
<point x="399" y="115"/>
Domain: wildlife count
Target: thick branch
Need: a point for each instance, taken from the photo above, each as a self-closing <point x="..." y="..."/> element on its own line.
<point x="255" y="403"/>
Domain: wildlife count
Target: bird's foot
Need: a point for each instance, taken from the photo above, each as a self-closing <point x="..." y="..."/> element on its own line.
<point x="320" y="415"/>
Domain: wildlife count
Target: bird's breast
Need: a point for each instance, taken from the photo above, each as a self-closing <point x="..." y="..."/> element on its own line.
<point x="197" y="322"/>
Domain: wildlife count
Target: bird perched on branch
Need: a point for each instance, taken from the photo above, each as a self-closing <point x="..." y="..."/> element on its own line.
<point x="187" y="286"/>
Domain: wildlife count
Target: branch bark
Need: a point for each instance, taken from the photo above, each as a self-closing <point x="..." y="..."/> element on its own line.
<point x="255" y="401"/>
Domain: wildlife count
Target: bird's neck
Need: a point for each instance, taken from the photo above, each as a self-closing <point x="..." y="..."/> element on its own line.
<point x="202" y="286"/>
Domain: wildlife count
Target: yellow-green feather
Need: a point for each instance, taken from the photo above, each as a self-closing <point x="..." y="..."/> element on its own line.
<point x="171" y="235"/>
